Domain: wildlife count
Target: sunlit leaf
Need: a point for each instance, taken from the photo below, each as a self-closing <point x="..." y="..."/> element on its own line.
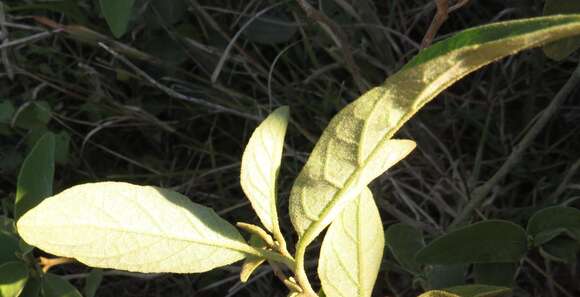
<point x="350" y="151"/>
<point x="136" y="228"/>
<point x="13" y="277"/>
<point x="478" y="243"/>
<point x="36" y="176"/>
<point x="352" y="250"/>
<point x="118" y="14"/>
<point x="260" y="166"/>
<point x="251" y="263"/>
<point x="404" y="242"/>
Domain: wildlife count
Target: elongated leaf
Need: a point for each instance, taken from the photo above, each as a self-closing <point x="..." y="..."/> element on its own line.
<point x="251" y="263"/>
<point x="137" y="228"/>
<point x="92" y="283"/>
<point x="561" y="49"/>
<point x="348" y="153"/>
<point x="352" y="250"/>
<point x="260" y="166"/>
<point x="470" y="291"/>
<point x="404" y="242"/>
<point x="491" y="241"/>
<point x="550" y="222"/>
<point x="118" y="14"/>
<point x="55" y="286"/>
<point x="13" y="276"/>
<point x="36" y="175"/>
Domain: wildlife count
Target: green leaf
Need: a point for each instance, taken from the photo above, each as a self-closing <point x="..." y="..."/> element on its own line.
<point x="162" y="13"/>
<point x="6" y="111"/>
<point x="560" y="50"/>
<point x="92" y="282"/>
<point x="8" y="247"/>
<point x="550" y="222"/>
<point x="404" y="242"/>
<point x="55" y="286"/>
<point x="478" y="243"/>
<point x="118" y="14"/>
<point x="136" y="228"/>
<point x="251" y="263"/>
<point x="13" y="277"/>
<point x="348" y="154"/>
<point x="32" y="288"/>
<point x="62" y="147"/>
<point x="36" y="176"/>
<point x="496" y="274"/>
<point x="470" y="291"/>
<point x="352" y="250"/>
<point x="260" y="166"/>
<point x="444" y="276"/>
<point x="36" y="114"/>
<point x="560" y="249"/>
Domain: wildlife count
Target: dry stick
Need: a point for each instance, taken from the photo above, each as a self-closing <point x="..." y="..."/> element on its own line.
<point x="442" y="14"/>
<point x="339" y="38"/>
<point x="173" y="93"/>
<point x="480" y="193"/>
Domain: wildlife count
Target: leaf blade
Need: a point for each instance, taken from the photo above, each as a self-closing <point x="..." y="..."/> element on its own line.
<point x="117" y="14"/>
<point x="260" y="165"/>
<point x="13" y="276"/>
<point x="358" y="230"/>
<point x="404" y="241"/>
<point x="55" y="286"/>
<point x="119" y="225"/>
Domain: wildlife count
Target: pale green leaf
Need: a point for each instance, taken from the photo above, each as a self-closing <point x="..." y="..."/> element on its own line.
<point x="55" y="286"/>
<point x="550" y="222"/>
<point x="561" y="49"/>
<point x="13" y="277"/>
<point x="260" y="166"/>
<point x="477" y="243"/>
<point x="118" y="14"/>
<point x="137" y="228"/>
<point x="352" y="250"/>
<point x="36" y="175"/>
<point x="251" y="263"/>
<point x="350" y="149"/>
<point x="470" y="291"/>
<point x="405" y="241"/>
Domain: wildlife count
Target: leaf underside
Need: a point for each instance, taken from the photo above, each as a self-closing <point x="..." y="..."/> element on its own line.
<point x="348" y="154"/>
<point x="352" y="250"/>
<point x="129" y="227"/>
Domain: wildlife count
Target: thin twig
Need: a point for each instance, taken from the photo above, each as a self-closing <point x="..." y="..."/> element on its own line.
<point x="442" y="14"/>
<point x="480" y="193"/>
<point x="339" y="38"/>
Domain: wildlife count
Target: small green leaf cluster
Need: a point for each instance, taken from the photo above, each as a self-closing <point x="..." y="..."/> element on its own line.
<point x="125" y="226"/>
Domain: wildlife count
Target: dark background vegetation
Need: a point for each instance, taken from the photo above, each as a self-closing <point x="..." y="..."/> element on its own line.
<point x="114" y="124"/>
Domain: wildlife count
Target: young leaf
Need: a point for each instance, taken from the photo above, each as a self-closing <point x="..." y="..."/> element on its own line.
<point x="36" y="175"/>
<point x="352" y="250"/>
<point x="118" y="14"/>
<point x="561" y="49"/>
<point x="348" y="153"/>
<point x="260" y="166"/>
<point x="13" y="277"/>
<point x="136" y="228"/>
<point x="470" y="291"/>
<point x="55" y="286"/>
<point x="550" y="222"/>
<point x="404" y="242"/>
<point x="491" y="241"/>
<point x="251" y="263"/>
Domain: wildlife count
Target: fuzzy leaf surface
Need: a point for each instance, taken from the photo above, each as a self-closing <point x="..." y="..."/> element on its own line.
<point x="137" y="228"/>
<point x="352" y="250"/>
<point x="351" y="151"/>
<point x="260" y="166"/>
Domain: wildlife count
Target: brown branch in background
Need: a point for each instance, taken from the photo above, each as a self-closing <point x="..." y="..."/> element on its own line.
<point x="442" y="14"/>
<point x="339" y="38"/>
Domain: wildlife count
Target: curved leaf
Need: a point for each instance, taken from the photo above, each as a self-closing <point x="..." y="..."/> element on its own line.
<point x="404" y="242"/>
<point x="36" y="175"/>
<point x="118" y="14"/>
<point x="352" y="250"/>
<point x="136" y="228"/>
<point x="55" y="286"/>
<point x="561" y="49"/>
<point x="350" y="148"/>
<point x="550" y="222"/>
<point x="251" y="263"/>
<point x="260" y="166"/>
<point x="491" y="241"/>
<point x="13" y="277"/>
<point x="470" y="291"/>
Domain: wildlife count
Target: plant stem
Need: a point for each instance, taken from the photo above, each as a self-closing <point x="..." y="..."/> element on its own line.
<point x="47" y="263"/>
<point x="270" y="256"/>
<point x="480" y="193"/>
<point x="300" y="271"/>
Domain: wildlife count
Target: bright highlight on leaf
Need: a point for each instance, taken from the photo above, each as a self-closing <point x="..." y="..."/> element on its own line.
<point x="129" y="227"/>
<point x="260" y="166"/>
<point x="352" y="250"/>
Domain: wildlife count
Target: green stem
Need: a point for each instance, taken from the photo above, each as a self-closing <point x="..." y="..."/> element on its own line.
<point x="271" y="256"/>
<point x="300" y="271"/>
